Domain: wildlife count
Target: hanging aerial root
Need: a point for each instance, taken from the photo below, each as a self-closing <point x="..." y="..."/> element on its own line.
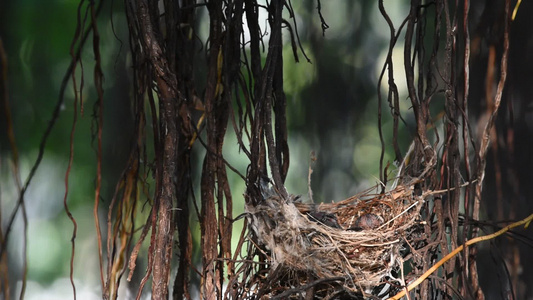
<point x="457" y="250"/>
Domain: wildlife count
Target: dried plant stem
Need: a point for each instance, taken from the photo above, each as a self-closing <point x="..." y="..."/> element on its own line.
<point x="407" y="209"/>
<point x="524" y="222"/>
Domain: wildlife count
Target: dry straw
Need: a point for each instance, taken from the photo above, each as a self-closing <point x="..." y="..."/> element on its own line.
<point x="361" y="239"/>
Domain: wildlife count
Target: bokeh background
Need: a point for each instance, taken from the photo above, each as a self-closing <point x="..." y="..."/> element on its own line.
<point x="332" y="110"/>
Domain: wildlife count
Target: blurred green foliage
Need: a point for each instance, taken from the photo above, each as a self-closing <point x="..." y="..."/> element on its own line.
<point x="332" y="110"/>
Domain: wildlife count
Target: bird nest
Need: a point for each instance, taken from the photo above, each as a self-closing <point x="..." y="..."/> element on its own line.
<point x="357" y="243"/>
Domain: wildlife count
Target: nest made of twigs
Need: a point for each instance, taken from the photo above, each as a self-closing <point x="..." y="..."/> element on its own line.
<point x="358" y="239"/>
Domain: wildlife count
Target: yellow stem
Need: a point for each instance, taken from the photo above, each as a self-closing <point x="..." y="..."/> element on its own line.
<point x="414" y="284"/>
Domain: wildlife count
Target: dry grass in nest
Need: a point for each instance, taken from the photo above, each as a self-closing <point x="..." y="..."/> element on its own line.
<point x="358" y="239"/>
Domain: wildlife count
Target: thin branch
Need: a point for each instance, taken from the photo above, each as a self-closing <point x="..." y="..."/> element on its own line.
<point x="457" y="250"/>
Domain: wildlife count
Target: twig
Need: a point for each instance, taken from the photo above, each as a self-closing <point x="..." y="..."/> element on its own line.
<point x="396" y="217"/>
<point x="450" y="189"/>
<point x="415" y="283"/>
<point x="287" y="293"/>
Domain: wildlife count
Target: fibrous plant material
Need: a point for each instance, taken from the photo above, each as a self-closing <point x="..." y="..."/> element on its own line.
<point x="358" y="258"/>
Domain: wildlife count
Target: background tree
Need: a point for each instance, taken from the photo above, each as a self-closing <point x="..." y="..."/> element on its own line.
<point x="159" y="132"/>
